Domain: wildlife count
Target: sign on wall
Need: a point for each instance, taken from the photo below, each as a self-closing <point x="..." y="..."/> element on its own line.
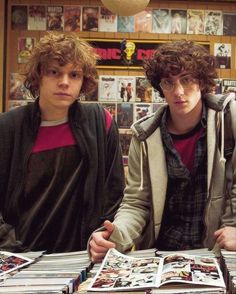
<point x="115" y="53"/>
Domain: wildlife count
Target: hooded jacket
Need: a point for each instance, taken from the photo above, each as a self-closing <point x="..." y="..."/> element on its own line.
<point x="145" y="193"/>
<point x="99" y="149"/>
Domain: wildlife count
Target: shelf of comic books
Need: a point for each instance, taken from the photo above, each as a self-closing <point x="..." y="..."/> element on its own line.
<point x="141" y="271"/>
<point x="43" y="273"/>
<point x="228" y="262"/>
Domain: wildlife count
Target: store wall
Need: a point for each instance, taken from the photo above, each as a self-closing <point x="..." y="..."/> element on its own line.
<point x="14" y="67"/>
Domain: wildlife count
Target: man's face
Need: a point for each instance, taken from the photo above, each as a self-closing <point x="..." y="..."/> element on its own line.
<point x="182" y="93"/>
<point x="59" y="87"/>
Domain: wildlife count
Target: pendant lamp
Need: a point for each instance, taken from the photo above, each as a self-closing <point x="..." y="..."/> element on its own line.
<point x="125" y="7"/>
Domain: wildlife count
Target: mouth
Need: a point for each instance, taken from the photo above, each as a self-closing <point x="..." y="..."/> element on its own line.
<point x="180" y="102"/>
<point x="62" y="94"/>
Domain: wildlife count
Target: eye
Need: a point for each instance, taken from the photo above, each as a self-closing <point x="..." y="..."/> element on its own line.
<point x="186" y="80"/>
<point x="167" y="83"/>
<point x="52" y="72"/>
<point x="76" y="75"/>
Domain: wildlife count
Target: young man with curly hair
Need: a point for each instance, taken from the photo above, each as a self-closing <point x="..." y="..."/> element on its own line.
<point x="178" y="191"/>
<point x="61" y="169"/>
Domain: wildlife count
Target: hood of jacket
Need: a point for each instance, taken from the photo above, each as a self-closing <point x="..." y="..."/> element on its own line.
<point x="144" y="127"/>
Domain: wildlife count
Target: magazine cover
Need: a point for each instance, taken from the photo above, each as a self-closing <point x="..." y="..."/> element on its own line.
<point x="107" y="88"/>
<point x="111" y="107"/>
<point x="90" y="18"/>
<point x="10" y="262"/>
<point x="228" y="86"/>
<point x="125" y="24"/>
<point x="178" y="21"/>
<point x="125" y="115"/>
<point x="107" y="21"/>
<point x="161" y="21"/>
<point x="72" y="18"/>
<point x="156" y="97"/>
<point x="125" y="139"/>
<point x="195" y="21"/>
<point x="37" y="18"/>
<point x="17" y="88"/>
<point x="141" y="110"/>
<point x="229" y="24"/>
<point x="19" y="17"/>
<point x="120" y="272"/>
<point x="213" y="22"/>
<point x="143" y="90"/>
<point x="222" y="53"/>
<point x="143" y="21"/>
<point x="218" y="86"/>
<point x="126" y="88"/>
<point x="25" y="47"/>
<point x="55" y="18"/>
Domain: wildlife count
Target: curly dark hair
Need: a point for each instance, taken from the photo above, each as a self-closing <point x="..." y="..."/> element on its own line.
<point x="64" y="49"/>
<point x="174" y="57"/>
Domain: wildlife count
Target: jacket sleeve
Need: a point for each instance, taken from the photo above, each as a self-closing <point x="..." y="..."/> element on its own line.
<point x="8" y="240"/>
<point x="134" y="212"/>
<point x="229" y="216"/>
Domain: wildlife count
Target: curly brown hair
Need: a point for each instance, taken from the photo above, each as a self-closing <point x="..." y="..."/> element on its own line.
<point x="64" y="49"/>
<point x="174" y="57"/>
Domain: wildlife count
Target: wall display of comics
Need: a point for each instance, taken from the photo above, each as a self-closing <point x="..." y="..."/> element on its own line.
<point x="98" y="18"/>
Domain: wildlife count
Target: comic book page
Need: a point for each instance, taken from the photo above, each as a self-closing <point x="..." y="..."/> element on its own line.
<point x="10" y="262"/>
<point x="120" y="272"/>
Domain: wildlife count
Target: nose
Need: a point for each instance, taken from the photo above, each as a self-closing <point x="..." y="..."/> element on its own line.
<point x="178" y="88"/>
<point x="63" y="80"/>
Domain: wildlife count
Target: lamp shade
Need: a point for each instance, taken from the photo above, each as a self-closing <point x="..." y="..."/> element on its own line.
<point x="125" y="7"/>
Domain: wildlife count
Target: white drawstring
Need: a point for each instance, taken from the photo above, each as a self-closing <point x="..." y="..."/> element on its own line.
<point x="222" y="158"/>
<point x="142" y="150"/>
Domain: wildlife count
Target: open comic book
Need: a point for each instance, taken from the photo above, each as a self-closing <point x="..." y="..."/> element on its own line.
<point x="120" y="272"/>
<point x="10" y="262"/>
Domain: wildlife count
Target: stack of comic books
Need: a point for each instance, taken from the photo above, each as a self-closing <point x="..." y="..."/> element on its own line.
<point x="176" y="272"/>
<point x="51" y="273"/>
<point x="228" y="261"/>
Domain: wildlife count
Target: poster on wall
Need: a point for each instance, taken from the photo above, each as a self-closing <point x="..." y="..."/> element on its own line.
<point x="107" y="21"/>
<point x="37" y="18"/>
<point x="161" y="21"/>
<point x="195" y="21"/>
<point x="55" y="18"/>
<point x="126" y="53"/>
<point x="222" y="53"/>
<point x="72" y="18"/>
<point x="19" y="17"/>
<point x="25" y="47"/>
<point x="213" y="22"/>
<point x="178" y="21"/>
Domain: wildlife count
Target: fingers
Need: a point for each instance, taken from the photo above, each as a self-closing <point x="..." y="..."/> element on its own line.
<point x="226" y="238"/>
<point x="109" y="226"/>
<point x="99" y="244"/>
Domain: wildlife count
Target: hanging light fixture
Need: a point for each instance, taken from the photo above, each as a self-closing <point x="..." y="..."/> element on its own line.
<point x="125" y="7"/>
